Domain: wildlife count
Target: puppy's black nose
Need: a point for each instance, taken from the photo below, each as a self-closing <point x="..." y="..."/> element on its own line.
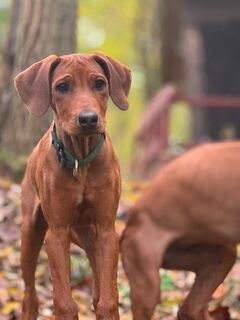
<point x="88" y="119"/>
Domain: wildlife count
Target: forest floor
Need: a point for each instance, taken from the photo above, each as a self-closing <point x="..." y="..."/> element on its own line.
<point x="174" y="285"/>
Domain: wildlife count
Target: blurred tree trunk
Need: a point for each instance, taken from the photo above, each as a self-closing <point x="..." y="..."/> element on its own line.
<point x="37" y="29"/>
<point x="158" y="28"/>
<point x="148" y="40"/>
<point x="169" y="17"/>
<point x="158" y="37"/>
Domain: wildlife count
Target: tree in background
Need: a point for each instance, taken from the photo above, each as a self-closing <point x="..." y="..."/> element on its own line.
<point x="159" y="44"/>
<point x="158" y="39"/>
<point x="147" y="35"/>
<point x="37" y="29"/>
<point x="169" y="16"/>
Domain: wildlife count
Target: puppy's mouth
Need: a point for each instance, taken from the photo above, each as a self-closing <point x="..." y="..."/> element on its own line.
<point x="88" y="131"/>
<point x="74" y="129"/>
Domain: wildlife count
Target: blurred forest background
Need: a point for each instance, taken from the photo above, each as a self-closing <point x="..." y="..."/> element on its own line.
<point x="129" y="31"/>
<point x="31" y="30"/>
<point x="192" y="44"/>
<point x="184" y="57"/>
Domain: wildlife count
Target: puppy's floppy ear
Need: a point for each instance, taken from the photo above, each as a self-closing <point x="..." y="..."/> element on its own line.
<point x="33" y="85"/>
<point x="119" y="79"/>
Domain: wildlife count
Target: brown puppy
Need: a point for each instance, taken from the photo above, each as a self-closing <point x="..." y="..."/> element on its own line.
<point x="71" y="187"/>
<point x="187" y="219"/>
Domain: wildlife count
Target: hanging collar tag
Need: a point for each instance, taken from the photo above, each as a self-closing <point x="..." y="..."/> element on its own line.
<point x="75" y="169"/>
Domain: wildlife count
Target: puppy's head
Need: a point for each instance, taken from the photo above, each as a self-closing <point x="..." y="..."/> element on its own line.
<point x="77" y="87"/>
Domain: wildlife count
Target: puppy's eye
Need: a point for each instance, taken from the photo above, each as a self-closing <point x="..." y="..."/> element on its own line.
<point x="99" y="84"/>
<point x="62" y="87"/>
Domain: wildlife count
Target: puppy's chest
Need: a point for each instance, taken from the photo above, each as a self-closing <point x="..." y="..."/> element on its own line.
<point x="84" y="193"/>
<point x="86" y="190"/>
<point x="85" y="207"/>
<point x="89" y="189"/>
<point x="88" y="184"/>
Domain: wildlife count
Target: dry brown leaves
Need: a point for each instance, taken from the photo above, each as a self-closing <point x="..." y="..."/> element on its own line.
<point x="175" y="285"/>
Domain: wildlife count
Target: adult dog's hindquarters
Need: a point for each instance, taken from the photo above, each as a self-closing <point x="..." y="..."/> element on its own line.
<point x="187" y="219"/>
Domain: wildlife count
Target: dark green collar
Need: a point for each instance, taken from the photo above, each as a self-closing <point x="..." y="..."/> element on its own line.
<point x="67" y="159"/>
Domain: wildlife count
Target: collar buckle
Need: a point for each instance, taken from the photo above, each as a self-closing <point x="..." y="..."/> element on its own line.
<point x="61" y="154"/>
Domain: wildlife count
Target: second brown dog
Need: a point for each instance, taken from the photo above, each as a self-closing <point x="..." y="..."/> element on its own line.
<point x="187" y="219"/>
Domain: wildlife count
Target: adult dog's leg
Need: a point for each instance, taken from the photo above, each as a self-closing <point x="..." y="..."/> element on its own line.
<point x="143" y="246"/>
<point x="34" y="228"/>
<point x="211" y="263"/>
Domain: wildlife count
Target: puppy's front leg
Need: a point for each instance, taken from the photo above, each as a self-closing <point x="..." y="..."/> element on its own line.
<point x="106" y="251"/>
<point x="57" y="243"/>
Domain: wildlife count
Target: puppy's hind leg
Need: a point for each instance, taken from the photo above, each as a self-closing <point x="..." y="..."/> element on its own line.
<point x="34" y="229"/>
<point x="143" y="246"/>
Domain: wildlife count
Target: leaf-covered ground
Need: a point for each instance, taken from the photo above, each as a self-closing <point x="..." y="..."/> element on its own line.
<point x="175" y="285"/>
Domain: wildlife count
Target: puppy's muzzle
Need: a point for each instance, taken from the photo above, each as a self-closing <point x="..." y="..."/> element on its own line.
<point x="88" y="120"/>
